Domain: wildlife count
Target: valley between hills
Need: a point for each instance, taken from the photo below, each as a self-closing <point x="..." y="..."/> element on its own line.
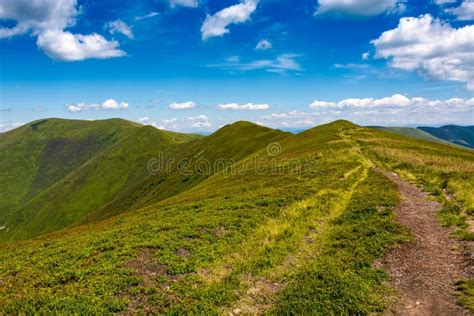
<point x="100" y="217"/>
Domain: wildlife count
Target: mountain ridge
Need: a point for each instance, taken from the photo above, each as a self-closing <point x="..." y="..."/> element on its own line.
<point x="459" y="135"/>
<point x="297" y="217"/>
<point x="445" y="134"/>
<point x="68" y="198"/>
<point x="88" y="144"/>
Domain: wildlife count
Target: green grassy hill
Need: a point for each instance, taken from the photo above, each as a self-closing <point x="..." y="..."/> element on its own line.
<point x="191" y="163"/>
<point x="29" y="153"/>
<point x="460" y="135"/>
<point x="294" y="225"/>
<point x="59" y="171"/>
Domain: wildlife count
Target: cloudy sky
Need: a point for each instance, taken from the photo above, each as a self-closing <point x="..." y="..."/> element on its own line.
<point x="195" y="65"/>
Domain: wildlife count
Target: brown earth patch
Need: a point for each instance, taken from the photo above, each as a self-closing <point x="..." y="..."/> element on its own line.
<point x="258" y="298"/>
<point x="147" y="268"/>
<point x="183" y="253"/>
<point x="424" y="271"/>
<point x="220" y="231"/>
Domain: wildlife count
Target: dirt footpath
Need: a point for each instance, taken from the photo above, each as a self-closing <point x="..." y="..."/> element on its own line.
<point x="424" y="270"/>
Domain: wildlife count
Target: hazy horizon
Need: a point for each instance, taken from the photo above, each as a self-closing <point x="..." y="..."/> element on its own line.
<point x="210" y="131"/>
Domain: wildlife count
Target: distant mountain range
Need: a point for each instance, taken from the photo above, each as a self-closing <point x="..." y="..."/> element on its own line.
<point x="460" y="135"/>
<point x="454" y="134"/>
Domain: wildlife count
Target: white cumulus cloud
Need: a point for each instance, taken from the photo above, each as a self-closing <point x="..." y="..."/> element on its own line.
<point x="184" y="3"/>
<point x="430" y="46"/>
<point x="182" y="106"/>
<point x="357" y="7"/>
<point x="47" y="20"/>
<point x="247" y="107"/>
<point x="169" y="124"/>
<point x="37" y="15"/>
<point x="66" y="46"/>
<point x="395" y="110"/>
<point x="465" y="12"/>
<point x="120" y="27"/>
<point x="165" y="124"/>
<point x="264" y="44"/>
<point x="109" y="104"/>
<point x="216" y="24"/>
<point x="6" y="126"/>
<point x="200" y="121"/>
<point x="289" y="119"/>
<point x="79" y="107"/>
<point x="394" y="100"/>
<point x="144" y="120"/>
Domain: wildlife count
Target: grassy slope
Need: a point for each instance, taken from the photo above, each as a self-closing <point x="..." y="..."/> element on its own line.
<point x="447" y="172"/>
<point x="30" y="154"/>
<point x="191" y="163"/>
<point x="59" y="170"/>
<point x="203" y="249"/>
<point x="296" y="233"/>
<point x="460" y="135"/>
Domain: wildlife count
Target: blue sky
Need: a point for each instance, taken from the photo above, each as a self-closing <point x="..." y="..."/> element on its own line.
<point x="195" y="65"/>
